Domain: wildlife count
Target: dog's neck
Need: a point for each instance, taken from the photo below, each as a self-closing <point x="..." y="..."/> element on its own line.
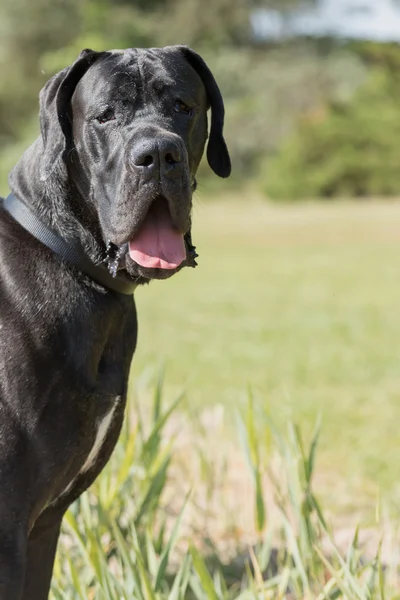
<point x="57" y="213"/>
<point x="47" y="194"/>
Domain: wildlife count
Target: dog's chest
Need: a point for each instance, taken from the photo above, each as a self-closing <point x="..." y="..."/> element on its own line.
<point x="102" y="428"/>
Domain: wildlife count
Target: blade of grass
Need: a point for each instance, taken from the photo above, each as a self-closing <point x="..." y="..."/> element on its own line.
<point x="203" y="574"/>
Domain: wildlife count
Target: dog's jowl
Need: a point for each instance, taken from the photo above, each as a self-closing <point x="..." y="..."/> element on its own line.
<point x="99" y="204"/>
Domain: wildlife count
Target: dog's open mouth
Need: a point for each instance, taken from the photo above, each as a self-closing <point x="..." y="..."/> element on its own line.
<point x="158" y="245"/>
<point x="158" y="249"/>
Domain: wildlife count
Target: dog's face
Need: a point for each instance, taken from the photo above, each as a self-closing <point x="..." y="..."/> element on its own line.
<point x="134" y="127"/>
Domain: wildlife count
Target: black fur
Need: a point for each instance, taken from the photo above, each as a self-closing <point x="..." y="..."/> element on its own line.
<point x="66" y="343"/>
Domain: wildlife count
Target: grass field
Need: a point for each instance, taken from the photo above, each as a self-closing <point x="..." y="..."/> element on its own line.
<point x="302" y="303"/>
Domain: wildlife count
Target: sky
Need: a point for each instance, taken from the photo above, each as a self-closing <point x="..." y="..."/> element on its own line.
<point x="362" y="19"/>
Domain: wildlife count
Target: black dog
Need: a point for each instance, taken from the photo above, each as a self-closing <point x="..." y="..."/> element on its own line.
<point x="106" y="187"/>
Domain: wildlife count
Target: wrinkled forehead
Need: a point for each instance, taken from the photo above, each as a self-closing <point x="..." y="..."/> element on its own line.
<point x="150" y="72"/>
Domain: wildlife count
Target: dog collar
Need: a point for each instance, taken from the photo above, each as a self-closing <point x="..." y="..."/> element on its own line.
<point x="71" y="253"/>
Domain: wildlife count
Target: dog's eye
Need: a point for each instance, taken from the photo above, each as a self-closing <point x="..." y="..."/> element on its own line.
<point x="108" y="115"/>
<point x="181" y="107"/>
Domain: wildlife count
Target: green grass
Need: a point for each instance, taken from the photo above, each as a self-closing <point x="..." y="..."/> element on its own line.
<point x="220" y="498"/>
<point x="303" y="304"/>
<point x="123" y="540"/>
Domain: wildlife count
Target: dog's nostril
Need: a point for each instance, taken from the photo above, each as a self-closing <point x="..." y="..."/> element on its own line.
<point x="146" y="161"/>
<point x="144" y="156"/>
<point x="172" y="159"/>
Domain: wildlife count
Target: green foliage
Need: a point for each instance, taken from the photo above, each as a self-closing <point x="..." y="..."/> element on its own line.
<point x="275" y="87"/>
<point x="107" y="554"/>
<point x="27" y="30"/>
<point x="205" y="23"/>
<point x="346" y="148"/>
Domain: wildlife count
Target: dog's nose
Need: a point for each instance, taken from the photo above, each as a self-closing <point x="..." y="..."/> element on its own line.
<point x="150" y="156"/>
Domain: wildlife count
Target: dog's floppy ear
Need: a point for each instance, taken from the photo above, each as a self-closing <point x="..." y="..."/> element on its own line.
<point x="55" y="111"/>
<point x="217" y="152"/>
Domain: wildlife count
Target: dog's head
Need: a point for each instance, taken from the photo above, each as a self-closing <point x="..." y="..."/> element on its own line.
<point x="126" y="131"/>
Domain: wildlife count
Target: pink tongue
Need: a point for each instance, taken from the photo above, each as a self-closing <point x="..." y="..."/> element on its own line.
<point x="158" y="245"/>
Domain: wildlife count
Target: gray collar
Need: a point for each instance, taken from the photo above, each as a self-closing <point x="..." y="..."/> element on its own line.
<point x="71" y="253"/>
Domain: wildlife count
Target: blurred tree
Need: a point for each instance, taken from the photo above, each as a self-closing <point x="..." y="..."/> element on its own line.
<point x="27" y="29"/>
<point x="346" y="148"/>
<point x="266" y="92"/>
<point x="205" y="23"/>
